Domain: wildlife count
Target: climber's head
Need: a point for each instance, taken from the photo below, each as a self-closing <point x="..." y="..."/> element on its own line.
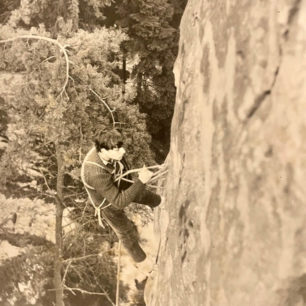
<point x="109" y="144"/>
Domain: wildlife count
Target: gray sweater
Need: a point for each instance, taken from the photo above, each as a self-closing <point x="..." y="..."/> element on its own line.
<point x="101" y="179"/>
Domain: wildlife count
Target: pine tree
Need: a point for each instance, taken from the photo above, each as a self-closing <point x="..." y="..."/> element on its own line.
<point x="153" y="30"/>
<point x="48" y="114"/>
<point x="152" y="27"/>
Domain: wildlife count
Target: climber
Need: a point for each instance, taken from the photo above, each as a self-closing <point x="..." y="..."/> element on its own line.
<point x="99" y="169"/>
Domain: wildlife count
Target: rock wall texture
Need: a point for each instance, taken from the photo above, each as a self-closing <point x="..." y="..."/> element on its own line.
<point x="233" y="223"/>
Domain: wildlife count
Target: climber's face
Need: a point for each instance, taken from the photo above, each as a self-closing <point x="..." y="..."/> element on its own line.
<point x="114" y="153"/>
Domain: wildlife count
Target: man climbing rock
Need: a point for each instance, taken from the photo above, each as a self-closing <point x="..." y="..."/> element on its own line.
<point x="99" y="170"/>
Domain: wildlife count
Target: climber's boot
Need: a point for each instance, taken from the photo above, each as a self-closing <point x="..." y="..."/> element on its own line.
<point x="150" y="199"/>
<point x="134" y="250"/>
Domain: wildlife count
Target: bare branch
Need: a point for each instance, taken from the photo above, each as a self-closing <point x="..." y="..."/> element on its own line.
<point x="84" y="291"/>
<point x="53" y="41"/>
<point x="52" y="192"/>
<point x="66" y="271"/>
<point x="105" y="104"/>
<point x="48" y="58"/>
<point x="83" y="212"/>
<point x="72" y="290"/>
<point x="81" y="143"/>
<point x="84" y="257"/>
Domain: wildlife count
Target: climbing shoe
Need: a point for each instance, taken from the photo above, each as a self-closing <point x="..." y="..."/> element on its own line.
<point x="134" y="250"/>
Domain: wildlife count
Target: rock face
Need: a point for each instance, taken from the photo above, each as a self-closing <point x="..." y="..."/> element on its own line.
<point x="233" y="223"/>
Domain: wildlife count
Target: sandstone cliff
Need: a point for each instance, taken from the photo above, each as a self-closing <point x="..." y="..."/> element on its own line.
<point x="233" y="223"/>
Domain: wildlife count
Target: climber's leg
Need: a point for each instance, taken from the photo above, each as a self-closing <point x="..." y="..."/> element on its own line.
<point x="126" y="231"/>
<point x="148" y="198"/>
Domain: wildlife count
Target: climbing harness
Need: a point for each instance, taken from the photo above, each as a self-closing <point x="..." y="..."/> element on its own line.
<point x="88" y="187"/>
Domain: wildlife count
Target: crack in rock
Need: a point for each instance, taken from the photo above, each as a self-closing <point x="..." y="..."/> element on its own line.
<point x="261" y="98"/>
<point x="292" y="16"/>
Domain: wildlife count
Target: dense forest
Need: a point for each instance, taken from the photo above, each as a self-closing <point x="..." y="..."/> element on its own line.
<point x="69" y="69"/>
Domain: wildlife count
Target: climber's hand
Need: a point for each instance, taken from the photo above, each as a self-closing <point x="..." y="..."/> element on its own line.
<point x="145" y="175"/>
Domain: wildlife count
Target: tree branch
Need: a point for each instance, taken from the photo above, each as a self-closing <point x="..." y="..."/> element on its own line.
<point x="66" y="271"/>
<point x="89" y="292"/>
<point x="83" y="291"/>
<point x="105" y="104"/>
<point x="83" y="257"/>
<point x="53" y="41"/>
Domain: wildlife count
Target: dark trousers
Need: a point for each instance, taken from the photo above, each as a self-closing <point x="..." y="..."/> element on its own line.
<point x="124" y="228"/>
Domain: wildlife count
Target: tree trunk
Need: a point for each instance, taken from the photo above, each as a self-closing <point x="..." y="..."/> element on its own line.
<point x="62" y="9"/>
<point x="58" y="262"/>
<point x="123" y="72"/>
<point x="139" y="85"/>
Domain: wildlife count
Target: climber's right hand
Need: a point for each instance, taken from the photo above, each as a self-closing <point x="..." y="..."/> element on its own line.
<point x="145" y="175"/>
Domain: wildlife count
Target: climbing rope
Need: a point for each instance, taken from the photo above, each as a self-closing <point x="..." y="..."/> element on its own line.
<point x="88" y="187"/>
<point x="118" y="274"/>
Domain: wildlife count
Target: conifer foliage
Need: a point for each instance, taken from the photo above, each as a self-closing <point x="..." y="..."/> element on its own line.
<point x="153" y="30"/>
<point x="58" y="108"/>
<point x="71" y="117"/>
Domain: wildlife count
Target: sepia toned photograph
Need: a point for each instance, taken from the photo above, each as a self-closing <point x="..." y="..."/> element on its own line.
<point x="152" y="153"/>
